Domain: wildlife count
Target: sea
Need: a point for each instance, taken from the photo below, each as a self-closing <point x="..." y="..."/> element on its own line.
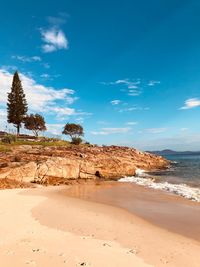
<point x="181" y="178"/>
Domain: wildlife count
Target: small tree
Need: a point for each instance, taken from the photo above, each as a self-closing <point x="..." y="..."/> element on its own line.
<point x="16" y="105"/>
<point x="75" y="131"/>
<point x="76" y="140"/>
<point x="35" y="123"/>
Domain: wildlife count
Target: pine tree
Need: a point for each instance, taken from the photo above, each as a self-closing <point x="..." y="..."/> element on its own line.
<point x="16" y="105"/>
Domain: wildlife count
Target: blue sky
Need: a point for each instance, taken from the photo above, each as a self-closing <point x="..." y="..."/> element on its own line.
<point x="128" y="71"/>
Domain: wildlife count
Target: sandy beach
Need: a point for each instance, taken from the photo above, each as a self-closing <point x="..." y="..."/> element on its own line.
<point x="53" y="227"/>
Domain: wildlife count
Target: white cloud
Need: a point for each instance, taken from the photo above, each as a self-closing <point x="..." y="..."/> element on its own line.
<point x="3" y="119"/>
<point x="191" y="103"/>
<point x="133" y="108"/>
<point x="108" y="131"/>
<point x="132" y="86"/>
<point x="46" y="65"/>
<point x="9" y="67"/>
<point x="54" y="39"/>
<point x="57" y="21"/>
<point x="134" y="92"/>
<point x="115" y="102"/>
<point x="39" y="97"/>
<point x="156" y="130"/>
<point x="184" y="129"/>
<point x="103" y="122"/>
<point x="27" y="59"/>
<point x="79" y="120"/>
<point x="132" y="123"/>
<point x="62" y="111"/>
<point x="55" y="129"/>
<point x="152" y="83"/>
<point x="45" y="76"/>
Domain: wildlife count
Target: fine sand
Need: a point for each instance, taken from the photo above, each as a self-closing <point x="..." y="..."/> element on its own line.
<point x="163" y="209"/>
<point x="50" y="227"/>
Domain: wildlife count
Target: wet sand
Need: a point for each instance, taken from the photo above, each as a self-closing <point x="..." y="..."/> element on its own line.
<point x="160" y="208"/>
<point x="77" y="209"/>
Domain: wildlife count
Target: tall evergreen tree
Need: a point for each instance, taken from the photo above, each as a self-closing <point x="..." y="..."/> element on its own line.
<point x="16" y="105"/>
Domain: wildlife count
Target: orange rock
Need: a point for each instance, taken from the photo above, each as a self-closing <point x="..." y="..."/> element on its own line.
<point x="37" y="163"/>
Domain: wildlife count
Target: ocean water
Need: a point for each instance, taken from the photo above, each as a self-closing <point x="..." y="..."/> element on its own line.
<point x="185" y="169"/>
<point x="182" y="178"/>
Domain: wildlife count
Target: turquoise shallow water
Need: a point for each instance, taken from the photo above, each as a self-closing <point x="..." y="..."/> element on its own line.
<point x="184" y="169"/>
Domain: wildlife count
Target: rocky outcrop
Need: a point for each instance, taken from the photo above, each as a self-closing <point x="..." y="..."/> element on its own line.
<point x="39" y="164"/>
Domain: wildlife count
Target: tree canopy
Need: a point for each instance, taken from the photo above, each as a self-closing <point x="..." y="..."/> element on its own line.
<point x="16" y="105"/>
<point x="73" y="130"/>
<point x="35" y="123"/>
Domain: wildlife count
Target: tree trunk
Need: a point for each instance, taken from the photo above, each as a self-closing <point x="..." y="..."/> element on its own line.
<point x="18" y="129"/>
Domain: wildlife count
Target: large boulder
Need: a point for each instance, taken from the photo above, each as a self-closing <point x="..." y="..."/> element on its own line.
<point x="37" y="164"/>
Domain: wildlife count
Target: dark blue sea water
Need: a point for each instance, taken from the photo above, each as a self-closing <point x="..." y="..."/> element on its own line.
<point x="184" y="169"/>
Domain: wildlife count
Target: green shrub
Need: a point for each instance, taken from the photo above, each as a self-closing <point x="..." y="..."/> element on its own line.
<point x="8" y="139"/>
<point x="76" y="140"/>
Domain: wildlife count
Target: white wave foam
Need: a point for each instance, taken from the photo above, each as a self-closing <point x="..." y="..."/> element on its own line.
<point x="178" y="189"/>
<point x="140" y="173"/>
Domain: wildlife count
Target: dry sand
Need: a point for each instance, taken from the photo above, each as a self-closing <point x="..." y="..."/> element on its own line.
<point x="44" y="227"/>
<point x="25" y="242"/>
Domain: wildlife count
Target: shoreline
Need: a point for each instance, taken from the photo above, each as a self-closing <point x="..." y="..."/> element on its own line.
<point x="160" y="208"/>
<point x="156" y="245"/>
<point x="66" y="226"/>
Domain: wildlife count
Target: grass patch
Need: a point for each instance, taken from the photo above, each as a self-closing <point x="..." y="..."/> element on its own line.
<point x="4" y="148"/>
<point x="35" y="143"/>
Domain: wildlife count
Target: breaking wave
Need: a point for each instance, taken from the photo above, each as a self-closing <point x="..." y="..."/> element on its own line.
<point x="141" y="178"/>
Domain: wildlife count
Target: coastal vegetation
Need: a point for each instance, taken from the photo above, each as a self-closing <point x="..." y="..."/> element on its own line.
<point x="35" y="123"/>
<point x="75" y="131"/>
<point x="17" y="108"/>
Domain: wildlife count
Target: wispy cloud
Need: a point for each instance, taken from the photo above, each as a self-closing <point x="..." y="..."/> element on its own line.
<point x="156" y="130"/>
<point x="54" y="39"/>
<point x="153" y="83"/>
<point x="184" y="129"/>
<point x="9" y="67"/>
<point x="47" y="100"/>
<point x="58" y="20"/>
<point x="134" y="92"/>
<point x="45" y="76"/>
<point x="79" y="120"/>
<point x="3" y="118"/>
<point x="132" y="86"/>
<point x="132" y="108"/>
<point x="109" y="131"/>
<point x="27" y="59"/>
<point x="132" y="123"/>
<point x="191" y="103"/>
<point x="103" y="122"/>
<point x="54" y="129"/>
<point x="46" y="65"/>
<point x="115" y="102"/>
